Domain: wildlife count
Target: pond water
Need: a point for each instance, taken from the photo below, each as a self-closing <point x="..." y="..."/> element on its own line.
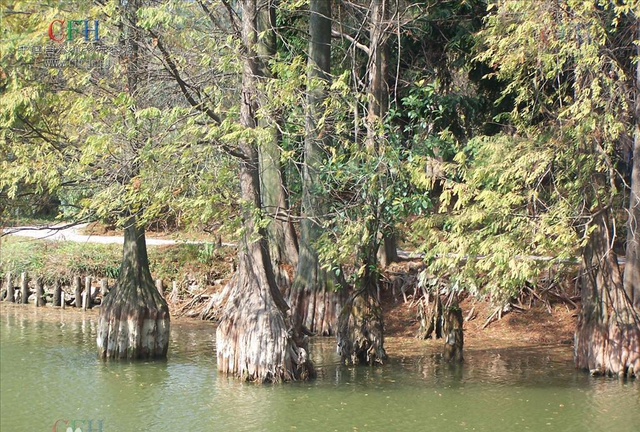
<point x="49" y="372"/>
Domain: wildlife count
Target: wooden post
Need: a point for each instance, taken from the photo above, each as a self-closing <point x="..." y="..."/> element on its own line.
<point x="87" y="293"/>
<point x="10" y="291"/>
<point x="40" y="300"/>
<point x="174" y="292"/>
<point x="56" y="293"/>
<point x="63" y="302"/>
<point x="77" y="288"/>
<point x="104" y="287"/>
<point x="24" y="288"/>
<point x="160" y="287"/>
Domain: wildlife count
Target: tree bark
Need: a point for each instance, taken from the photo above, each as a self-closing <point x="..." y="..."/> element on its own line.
<point x="283" y="242"/>
<point x="134" y="318"/>
<point x="430" y="316"/>
<point x="607" y="340"/>
<point x="254" y="340"/>
<point x="453" y="334"/>
<point x="378" y="104"/>
<point x="360" y="327"/>
<point x="316" y="296"/>
<point x="632" y="265"/>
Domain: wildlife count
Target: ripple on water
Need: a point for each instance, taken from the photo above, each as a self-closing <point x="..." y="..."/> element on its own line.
<point x="49" y="371"/>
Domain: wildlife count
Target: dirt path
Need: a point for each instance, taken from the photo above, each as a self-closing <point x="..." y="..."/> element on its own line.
<point x="74" y="234"/>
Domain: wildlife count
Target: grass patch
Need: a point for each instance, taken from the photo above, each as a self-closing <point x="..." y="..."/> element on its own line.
<point x="56" y="260"/>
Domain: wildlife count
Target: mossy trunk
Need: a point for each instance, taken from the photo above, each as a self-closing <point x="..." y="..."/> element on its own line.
<point x="360" y="330"/>
<point x="255" y="339"/>
<point x="378" y="105"/>
<point x="316" y="296"/>
<point x="134" y="318"/>
<point x="360" y="326"/>
<point x="283" y="242"/>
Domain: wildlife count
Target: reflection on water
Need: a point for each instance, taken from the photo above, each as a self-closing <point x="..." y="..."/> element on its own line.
<point x="49" y="371"/>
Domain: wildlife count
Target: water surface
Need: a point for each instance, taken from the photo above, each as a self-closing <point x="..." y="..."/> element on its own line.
<point x="49" y="372"/>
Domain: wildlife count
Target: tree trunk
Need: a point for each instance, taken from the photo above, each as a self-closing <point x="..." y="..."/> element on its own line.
<point x="452" y="330"/>
<point x="254" y="340"/>
<point x="632" y="265"/>
<point x="283" y="243"/>
<point x="316" y="296"/>
<point x="360" y="327"/>
<point x="607" y="340"/>
<point x="389" y="249"/>
<point x="430" y="316"/>
<point x="608" y="337"/>
<point x="360" y="330"/>
<point x="134" y="318"/>
<point x="378" y="105"/>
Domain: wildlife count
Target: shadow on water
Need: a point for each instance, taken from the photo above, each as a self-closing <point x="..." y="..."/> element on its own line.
<point x="49" y="370"/>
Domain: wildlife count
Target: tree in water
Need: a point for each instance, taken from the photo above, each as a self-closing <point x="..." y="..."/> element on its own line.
<point x="255" y="340"/>
<point x="607" y="340"/>
<point x="555" y="187"/>
<point x="134" y="318"/>
<point x="361" y="329"/>
<point x="317" y="296"/>
<point x="452" y="330"/>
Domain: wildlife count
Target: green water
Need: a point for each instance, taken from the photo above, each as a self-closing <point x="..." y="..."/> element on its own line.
<point x="49" y="372"/>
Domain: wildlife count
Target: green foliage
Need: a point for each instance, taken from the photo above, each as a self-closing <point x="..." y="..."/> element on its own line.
<point x="529" y="194"/>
